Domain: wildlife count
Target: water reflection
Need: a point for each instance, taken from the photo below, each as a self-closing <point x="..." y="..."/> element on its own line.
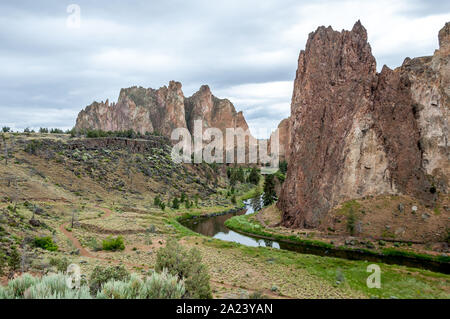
<point x="214" y="227"/>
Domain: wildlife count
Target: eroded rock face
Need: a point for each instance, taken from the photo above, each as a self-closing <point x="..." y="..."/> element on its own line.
<point x="140" y="109"/>
<point x="162" y="110"/>
<point x="214" y="112"/>
<point x="355" y="132"/>
<point x="284" y="138"/>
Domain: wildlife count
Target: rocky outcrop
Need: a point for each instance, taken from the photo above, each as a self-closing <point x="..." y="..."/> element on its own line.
<point x="284" y="138"/>
<point x="162" y="110"/>
<point x="214" y="112"/>
<point x="355" y="132"/>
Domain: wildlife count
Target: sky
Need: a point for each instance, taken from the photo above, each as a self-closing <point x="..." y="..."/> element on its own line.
<point x="53" y="65"/>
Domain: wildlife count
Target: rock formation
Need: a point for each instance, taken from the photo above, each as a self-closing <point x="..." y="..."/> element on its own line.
<point x="284" y="138"/>
<point x="162" y="110"/>
<point x="355" y="132"/>
<point x="214" y="112"/>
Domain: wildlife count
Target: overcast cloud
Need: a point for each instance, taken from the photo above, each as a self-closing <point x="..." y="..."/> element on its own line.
<point x="245" y="51"/>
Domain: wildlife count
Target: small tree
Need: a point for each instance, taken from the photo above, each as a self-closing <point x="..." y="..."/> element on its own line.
<point x="175" y="203"/>
<point x="283" y="167"/>
<point x="254" y="176"/>
<point x="269" y="190"/>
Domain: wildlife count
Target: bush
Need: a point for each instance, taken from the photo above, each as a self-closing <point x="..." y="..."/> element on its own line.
<point x="113" y="244"/>
<point x="158" y="286"/>
<point x="175" y="203"/>
<point x="61" y="264"/>
<point x="351" y="219"/>
<point x="14" y="260"/>
<point x="45" y="243"/>
<point x="157" y="201"/>
<point x="186" y="265"/>
<point x="47" y="287"/>
<point x="2" y="263"/>
<point x="101" y="275"/>
<point x="283" y="167"/>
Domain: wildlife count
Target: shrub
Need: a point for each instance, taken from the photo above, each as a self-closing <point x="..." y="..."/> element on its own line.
<point x="283" y="167"/>
<point x="233" y="199"/>
<point x="186" y="265"/>
<point x="16" y="287"/>
<point x="175" y="203"/>
<point x="14" y="260"/>
<point x="113" y="244"/>
<point x="47" y="287"/>
<point x="2" y="263"/>
<point x="61" y="264"/>
<point x="351" y="219"/>
<point x="158" y="286"/>
<point x="157" y="201"/>
<point x="45" y="243"/>
<point x="101" y="275"/>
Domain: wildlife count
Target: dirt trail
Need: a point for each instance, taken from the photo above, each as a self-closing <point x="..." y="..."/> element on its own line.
<point x="85" y="253"/>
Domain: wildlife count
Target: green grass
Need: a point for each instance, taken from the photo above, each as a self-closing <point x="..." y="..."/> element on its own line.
<point x="396" y="281"/>
<point x="243" y="223"/>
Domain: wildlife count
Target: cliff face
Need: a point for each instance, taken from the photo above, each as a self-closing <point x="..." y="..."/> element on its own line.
<point x="355" y="132"/>
<point x="214" y="112"/>
<point x="162" y="110"/>
<point x="284" y="139"/>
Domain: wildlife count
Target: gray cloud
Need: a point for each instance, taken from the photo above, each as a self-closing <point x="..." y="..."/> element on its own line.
<point x="50" y="72"/>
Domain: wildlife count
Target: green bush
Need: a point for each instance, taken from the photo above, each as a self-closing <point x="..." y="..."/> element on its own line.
<point x="351" y="219"/>
<point x="175" y="203"/>
<point x="101" y="275"/>
<point x="45" y="243"/>
<point x="283" y="167"/>
<point x="186" y="265"/>
<point x="47" y="287"/>
<point x="113" y="244"/>
<point x="14" y="259"/>
<point x="61" y="264"/>
<point x="157" y="286"/>
<point x="2" y="263"/>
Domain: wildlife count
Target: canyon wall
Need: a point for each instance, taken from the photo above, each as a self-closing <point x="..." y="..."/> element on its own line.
<point x="355" y="132"/>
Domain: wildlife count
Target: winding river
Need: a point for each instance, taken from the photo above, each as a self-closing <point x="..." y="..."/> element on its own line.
<point x="213" y="226"/>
